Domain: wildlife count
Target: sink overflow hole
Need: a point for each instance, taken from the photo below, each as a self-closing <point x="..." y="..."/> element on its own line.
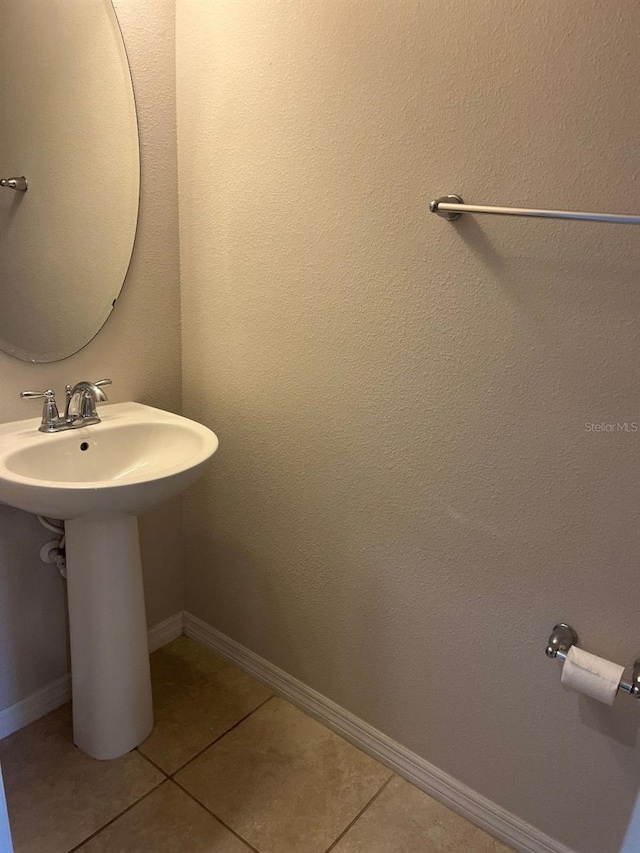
<point x="84" y="445"/>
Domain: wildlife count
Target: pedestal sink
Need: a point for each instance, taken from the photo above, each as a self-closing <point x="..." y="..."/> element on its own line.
<point x="97" y="479"/>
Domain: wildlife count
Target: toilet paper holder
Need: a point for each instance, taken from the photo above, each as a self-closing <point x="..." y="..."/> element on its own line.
<point x="563" y="637"/>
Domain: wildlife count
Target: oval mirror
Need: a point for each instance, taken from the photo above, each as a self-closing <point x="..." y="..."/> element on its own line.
<point x="69" y="127"/>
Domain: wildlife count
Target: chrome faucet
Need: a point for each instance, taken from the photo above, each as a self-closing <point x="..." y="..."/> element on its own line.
<point x="82" y="400"/>
<point x="80" y="409"/>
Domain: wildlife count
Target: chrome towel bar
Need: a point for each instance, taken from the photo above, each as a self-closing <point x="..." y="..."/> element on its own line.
<point x="452" y="207"/>
<point x="563" y="637"/>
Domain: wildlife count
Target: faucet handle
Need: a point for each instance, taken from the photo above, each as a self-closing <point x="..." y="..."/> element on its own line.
<point x="103" y="399"/>
<point x="50" y="414"/>
<point x="100" y="384"/>
<point x="35" y="395"/>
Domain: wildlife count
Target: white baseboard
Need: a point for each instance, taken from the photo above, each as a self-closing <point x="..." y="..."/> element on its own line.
<point x="47" y="699"/>
<point x="167" y="631"/>
<point x="58" y="692"/>
<point x="458" y="797"/>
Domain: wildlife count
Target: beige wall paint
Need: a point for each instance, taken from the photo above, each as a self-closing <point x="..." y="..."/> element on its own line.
<point x="406" y="497"/>
<point x="139" y="349"/>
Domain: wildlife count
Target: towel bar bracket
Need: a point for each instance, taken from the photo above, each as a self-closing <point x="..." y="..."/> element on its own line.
<point x="451" y="207"/>
<point x="449" y="215"/>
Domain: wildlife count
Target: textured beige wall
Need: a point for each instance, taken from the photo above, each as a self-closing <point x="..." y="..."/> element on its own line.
<point x="139" y="349"/>
<point x="406" y="498"/>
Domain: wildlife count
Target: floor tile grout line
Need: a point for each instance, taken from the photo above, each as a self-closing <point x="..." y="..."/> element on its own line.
<point x="359" y="815"/>
<point x="118" y="816"/>
<point x="224" y="734"/>
<point x="168" y="777"/>
<point x="214" y="815"/>
<point x="153" y="764"/>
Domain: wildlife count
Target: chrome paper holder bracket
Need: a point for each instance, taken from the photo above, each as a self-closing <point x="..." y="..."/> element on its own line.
<point x="563" y="637"/>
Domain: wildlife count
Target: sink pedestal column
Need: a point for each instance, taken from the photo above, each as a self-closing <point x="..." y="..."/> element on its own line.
<point x="110" y="677"/>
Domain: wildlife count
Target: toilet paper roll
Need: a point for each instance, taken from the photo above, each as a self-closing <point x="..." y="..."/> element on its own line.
<point x="591" y="675"/>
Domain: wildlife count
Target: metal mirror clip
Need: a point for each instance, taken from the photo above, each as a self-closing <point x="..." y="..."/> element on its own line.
<point x="21" y="184"/>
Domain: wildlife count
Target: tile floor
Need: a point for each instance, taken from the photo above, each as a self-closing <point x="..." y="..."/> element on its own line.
<point x="229" y="768"/>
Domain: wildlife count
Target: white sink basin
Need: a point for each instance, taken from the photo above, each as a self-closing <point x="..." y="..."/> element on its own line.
<point x="96" y="479"/>
<point x="136" y="458"/>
